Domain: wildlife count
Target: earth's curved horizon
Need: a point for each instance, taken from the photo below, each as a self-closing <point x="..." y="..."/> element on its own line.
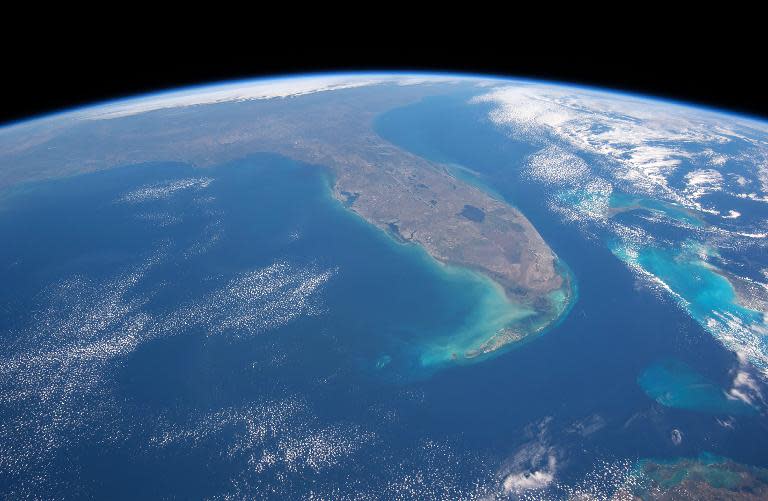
<point x="170" y="91"/>
<point x="385" y="285"/>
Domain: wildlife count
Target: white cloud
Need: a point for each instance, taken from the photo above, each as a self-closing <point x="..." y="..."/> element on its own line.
<point x="165" y="189"/>
<point x="555" y="165"/>
<point x="255" y="89"/>
<point x="517" y="482"/>
<point x="644" y="141"/>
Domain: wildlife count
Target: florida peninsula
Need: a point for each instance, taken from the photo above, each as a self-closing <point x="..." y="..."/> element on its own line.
<point x="413" y="199"/>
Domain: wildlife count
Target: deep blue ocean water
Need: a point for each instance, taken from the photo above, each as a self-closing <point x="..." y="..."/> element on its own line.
<point x="169" y="416"/>
<point x="615" y="330"/>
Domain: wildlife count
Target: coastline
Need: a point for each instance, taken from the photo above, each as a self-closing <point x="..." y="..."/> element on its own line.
<point x="501" y="321"/>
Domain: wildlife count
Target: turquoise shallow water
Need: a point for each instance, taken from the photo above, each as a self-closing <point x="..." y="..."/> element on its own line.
<point x="704" y="292"/>
<point x="493" y="312"/>
<point x="675" y="384"/>
<point x="705" y="289"/>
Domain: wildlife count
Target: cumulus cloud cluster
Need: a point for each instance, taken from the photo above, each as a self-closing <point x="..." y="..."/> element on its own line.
<point x="602" y="154"/>
<point x="60" y="368"/>
<point x="645" y="141"/>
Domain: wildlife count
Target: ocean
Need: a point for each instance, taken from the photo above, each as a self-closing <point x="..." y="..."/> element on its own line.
<point x="172" y="331"/>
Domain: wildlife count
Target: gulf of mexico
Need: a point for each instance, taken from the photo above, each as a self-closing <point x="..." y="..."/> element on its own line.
<point x="211" y="299"/>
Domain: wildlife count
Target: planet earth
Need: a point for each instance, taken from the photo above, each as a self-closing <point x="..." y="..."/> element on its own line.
<point x="384" y="286"/>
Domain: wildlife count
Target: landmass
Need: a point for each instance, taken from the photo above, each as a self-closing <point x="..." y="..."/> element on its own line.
<point x="501" y="338"/>
<point x="411" y="198"/>
<point x="620" y="203"/>
<point x="707" y="477"/>
<point x="750" y="293"/>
